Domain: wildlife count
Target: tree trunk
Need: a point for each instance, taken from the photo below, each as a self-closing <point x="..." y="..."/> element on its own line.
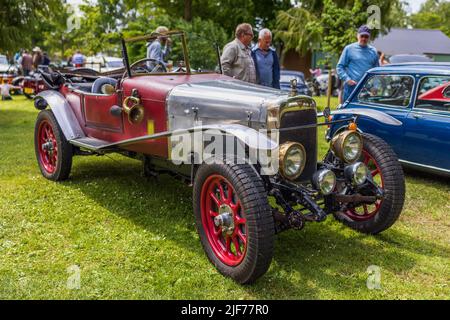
<point x="188" y="10"/>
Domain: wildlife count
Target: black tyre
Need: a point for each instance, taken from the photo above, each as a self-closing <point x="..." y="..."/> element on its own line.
<point x="388" y="174"/>
<point x="53" y="152"/>
<point x="234" y="220"/>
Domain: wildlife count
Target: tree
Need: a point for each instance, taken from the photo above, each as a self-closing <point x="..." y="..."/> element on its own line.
<point x="328" y="25"/>
<point x="18" y="18"/>
<point x="227" y="13"/>
<point x="433" y="14"/>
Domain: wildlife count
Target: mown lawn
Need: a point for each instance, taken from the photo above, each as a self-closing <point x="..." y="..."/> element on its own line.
<point x="133" y="238"/>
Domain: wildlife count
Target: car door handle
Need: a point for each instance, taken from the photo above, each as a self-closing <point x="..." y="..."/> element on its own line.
<point x="417" y="116"/>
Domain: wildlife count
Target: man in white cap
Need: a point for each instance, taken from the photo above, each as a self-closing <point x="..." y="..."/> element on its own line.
<point x="37" y="57"/>
<point x="160" y="48"/>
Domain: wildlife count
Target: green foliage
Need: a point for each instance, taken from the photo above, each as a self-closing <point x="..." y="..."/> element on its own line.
<point x="201" y="35"/>
<point x="340" y="25"/>
<point x="18" y="19"/>
<point x="326" y="24"/>
<point x="229" y="13"/>
<point x="299" y="29"/>
<point x="433" y="14"/>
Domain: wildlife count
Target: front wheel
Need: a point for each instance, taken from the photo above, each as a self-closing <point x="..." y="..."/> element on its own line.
<point x="234" y="220"/>
<point x="53" y="152"/>
<point x="387" y="172"/>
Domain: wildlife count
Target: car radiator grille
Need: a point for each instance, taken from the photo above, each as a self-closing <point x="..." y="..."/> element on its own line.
<point x="307" y="137"/>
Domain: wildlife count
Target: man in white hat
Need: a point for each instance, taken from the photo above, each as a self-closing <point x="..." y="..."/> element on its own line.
<point x="160" y="48"/>
<point x="37" y="57"/>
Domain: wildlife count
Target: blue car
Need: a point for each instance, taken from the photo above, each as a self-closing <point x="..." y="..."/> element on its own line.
<point x="416" y="94"/>
<point x="285" y="81"/>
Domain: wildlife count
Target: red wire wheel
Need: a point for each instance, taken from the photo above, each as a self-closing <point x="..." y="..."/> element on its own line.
<point x="234" y="220"/>
<point x="367" y="211"/>
<point x="53" y="152"/>
<point x="387" y="173"/>
<point x="48" y="147"/>
<point x="223" y="220"/>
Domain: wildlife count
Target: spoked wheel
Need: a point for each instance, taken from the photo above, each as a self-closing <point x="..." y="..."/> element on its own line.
<point x="234" y="220"/>
<point x="53" y="152"/>
<point x="387" y="173"/>
<point x="223" y="220"/>
<point x="367" y="211"/>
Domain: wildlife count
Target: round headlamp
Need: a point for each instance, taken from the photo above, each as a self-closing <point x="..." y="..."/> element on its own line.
<point x="325" y="181"/>
<point x="292" y="158"/>
<point x="347" y="146"/>
<point x="357" y="173"/>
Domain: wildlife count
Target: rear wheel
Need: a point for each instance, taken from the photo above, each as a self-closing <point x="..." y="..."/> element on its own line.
<point x="53" y="152"/>
<point x="234" y="220"/>
<point x="387" y="173"/>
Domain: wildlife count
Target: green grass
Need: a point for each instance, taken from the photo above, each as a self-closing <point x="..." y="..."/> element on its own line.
<point x="133" y="238"/>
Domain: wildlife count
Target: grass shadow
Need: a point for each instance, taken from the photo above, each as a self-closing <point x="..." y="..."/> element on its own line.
<point x="323" y="256"/>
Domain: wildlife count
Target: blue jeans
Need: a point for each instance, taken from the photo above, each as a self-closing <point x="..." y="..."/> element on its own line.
<point x="348" y="89"/>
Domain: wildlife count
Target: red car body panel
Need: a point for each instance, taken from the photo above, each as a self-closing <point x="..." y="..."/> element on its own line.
<point x="93" y="111"/>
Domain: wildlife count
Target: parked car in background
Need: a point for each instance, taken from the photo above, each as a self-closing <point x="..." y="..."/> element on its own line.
<point x="322" y="81"/>
<point x="418" y="95"/>
<point x="285" y="81"/>
<point x="32" y="84"/>
<point x="405" y="58"/>
<point x="8" y="74"/>
<point x="7" y="71"/>
<point x="103" y="64"/>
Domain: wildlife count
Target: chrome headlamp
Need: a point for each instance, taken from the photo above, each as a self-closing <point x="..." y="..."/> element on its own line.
<point x="357" y="173"/>
<point x="292" y="157"/>
<point x="347" y="146"/>
<point x="325" y="181"/>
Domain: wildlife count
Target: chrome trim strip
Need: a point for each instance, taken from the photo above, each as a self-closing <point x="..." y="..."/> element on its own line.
<point x="424" y="166"/>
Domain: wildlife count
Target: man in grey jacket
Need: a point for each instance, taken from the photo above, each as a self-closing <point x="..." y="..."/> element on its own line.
<point x="237" y="61"/>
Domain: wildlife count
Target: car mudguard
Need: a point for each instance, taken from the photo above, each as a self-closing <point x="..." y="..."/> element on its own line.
<point x="63" y="114"/>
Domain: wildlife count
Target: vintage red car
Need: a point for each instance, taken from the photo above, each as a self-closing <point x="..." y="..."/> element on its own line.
<point x="181" y="120"/>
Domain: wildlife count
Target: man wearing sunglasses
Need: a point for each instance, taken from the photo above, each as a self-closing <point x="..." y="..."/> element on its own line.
<point x="355" y="60"/>
<point x="236" y="59"/>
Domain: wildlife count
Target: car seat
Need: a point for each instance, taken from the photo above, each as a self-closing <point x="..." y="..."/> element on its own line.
<point x="98" y="85"/>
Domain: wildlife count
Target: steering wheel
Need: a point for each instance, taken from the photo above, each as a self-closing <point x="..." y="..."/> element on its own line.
<point x="158" y="66"/>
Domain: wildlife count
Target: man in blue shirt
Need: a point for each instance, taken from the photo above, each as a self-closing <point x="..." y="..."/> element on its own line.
<point x="355" y="60"/>
<point x="266" y="61"/>
<point x="78" y="59"/>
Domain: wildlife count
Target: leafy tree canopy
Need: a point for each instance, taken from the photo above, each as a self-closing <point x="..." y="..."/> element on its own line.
<point x="433" y="14"/>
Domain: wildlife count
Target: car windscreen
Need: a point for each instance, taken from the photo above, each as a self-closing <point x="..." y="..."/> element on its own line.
<point x="389" y="90"/>
<point x="167" y="54"/>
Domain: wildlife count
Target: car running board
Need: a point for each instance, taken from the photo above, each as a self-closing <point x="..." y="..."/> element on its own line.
<point x="92" y="144"/>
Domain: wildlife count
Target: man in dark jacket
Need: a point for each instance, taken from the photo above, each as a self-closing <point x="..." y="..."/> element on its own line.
<point x="266" y="61"/>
